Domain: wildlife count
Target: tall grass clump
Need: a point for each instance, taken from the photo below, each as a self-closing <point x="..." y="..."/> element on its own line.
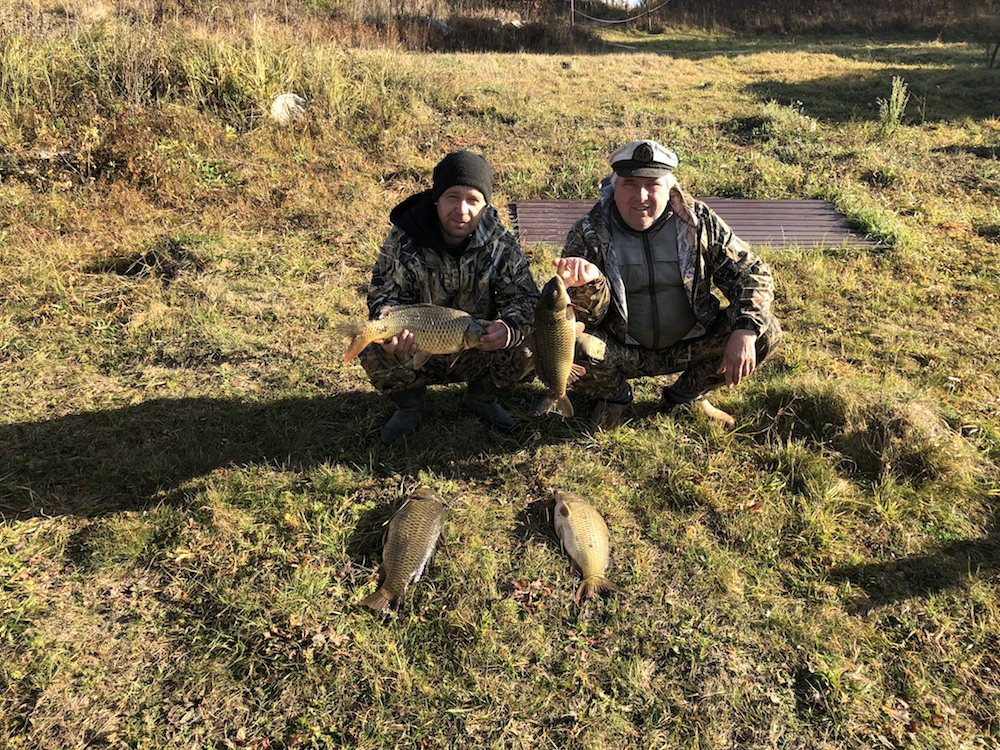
<point x="891" y="110"/>
<point x="237" y="74"/>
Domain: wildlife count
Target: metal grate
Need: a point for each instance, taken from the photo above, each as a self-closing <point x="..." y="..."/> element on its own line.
<point x="778" y="223"/>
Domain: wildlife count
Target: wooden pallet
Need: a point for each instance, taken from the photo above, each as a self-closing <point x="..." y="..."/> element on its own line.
<point x="777" y="223"/>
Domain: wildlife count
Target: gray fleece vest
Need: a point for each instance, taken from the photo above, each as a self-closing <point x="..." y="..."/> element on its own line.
<point x="659" y="312"/>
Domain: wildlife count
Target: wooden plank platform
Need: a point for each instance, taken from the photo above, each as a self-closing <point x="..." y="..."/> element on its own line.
<point x="777" y="223"/>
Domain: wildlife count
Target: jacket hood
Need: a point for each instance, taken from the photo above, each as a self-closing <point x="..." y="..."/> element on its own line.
<point x="417" y="217"/>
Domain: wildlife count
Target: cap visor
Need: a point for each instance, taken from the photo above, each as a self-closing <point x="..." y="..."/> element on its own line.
<point x="644" y="171"/>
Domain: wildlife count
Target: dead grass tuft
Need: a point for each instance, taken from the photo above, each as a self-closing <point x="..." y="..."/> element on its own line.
<point x="906" y="437"/>
<point x="880" y="431"/>
<point x="164" y="260"/>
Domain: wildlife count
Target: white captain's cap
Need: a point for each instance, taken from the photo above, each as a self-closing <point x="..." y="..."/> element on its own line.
<point x="643" y="159"/>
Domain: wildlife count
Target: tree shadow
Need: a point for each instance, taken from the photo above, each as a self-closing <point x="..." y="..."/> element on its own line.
<point x="892" y="49"/>
<point x="920" y="575"/>
<point x="850" y="98"/>
<point x="990" y="153"/>
<point x="132" y="457"/>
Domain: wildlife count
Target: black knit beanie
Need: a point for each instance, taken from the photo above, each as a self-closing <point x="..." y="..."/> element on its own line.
<point x="463" y="168"/>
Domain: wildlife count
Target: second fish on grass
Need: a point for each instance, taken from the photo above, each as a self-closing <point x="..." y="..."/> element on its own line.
<point x="586" y="539"/>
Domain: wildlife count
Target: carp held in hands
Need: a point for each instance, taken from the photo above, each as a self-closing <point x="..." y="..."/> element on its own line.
<point x="556" y="331"/>
<point x="436" y="330"/>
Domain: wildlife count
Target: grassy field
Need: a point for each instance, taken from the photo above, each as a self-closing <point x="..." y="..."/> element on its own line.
<point x="191" y="488"/>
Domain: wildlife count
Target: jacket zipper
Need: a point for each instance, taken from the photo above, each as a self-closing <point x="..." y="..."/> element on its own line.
<point x="651" y="285"/>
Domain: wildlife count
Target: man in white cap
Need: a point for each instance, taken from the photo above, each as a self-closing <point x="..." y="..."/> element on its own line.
<point x="640" y="268"/>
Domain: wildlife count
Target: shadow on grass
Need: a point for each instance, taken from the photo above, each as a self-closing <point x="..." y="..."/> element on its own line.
<point x="535" y="521"/>
<point x="911" y="50"/>
<point x="991" y="153"/>
<point x="855" y="97"/>
<point x="366" y="542"/>
<point x="919" y="575"/>
<point x="129" y="458"/>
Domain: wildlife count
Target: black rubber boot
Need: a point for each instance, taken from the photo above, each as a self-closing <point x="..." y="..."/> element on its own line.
<point x="409" y="409"/>
<point x="481" y="400"/>
<point x="608" y="413"/>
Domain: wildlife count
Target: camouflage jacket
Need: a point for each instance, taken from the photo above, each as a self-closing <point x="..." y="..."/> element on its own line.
<point x="708" y="252"/>
<point x="490" y="279"/>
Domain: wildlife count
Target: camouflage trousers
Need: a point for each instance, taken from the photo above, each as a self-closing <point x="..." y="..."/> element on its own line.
<point x="502" y="369"/>
<point x="696" y="360"/>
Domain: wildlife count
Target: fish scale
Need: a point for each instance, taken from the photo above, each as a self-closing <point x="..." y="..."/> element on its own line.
<point x="556" y="330"/>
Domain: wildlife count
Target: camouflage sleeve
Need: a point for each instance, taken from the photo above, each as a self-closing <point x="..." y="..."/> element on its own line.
<point x="515" y="291"/>
<point x="393" y="283"/>
<point x="744" y="279"/>
<point x="592" y="300"/>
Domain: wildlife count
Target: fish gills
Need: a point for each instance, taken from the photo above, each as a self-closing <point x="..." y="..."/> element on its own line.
<point x="556" y="330"/>
<point x="585" y="537"/>
<point x="436" y="330"/>
<point x="408" y="545"/>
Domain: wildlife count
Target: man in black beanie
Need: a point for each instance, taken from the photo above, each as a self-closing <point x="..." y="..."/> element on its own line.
<point x="448" y="247"/>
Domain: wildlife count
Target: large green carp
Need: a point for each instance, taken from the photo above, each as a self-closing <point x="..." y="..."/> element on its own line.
<point x="436" y="330"/>
<point x="585" y="537"/>
<point x="408" y="544"/>
<point x="556" y="332"/>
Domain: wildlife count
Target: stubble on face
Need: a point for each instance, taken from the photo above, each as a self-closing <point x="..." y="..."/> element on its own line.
<point x="641" y="200"/>
<point x="460" y="209"/>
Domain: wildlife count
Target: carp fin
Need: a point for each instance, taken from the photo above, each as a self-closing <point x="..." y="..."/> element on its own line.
<point x="561" y="405"/>
<point x="594" y="586"/>
<point x="379" y="601"/>
<point x="420" y="359"/>
<point x="358" y="339"/>
<point x="564" y="407"/>
<point x="575" y="373"/>
<point x="356" y="347"/>
<point x="714" y="412"/>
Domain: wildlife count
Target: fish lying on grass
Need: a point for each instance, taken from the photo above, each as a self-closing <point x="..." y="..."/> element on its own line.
<point x="585" y="537"/>
<point x="556" y="332"/>
<point x="407" y="547"/>
<point x="436" y="330"/>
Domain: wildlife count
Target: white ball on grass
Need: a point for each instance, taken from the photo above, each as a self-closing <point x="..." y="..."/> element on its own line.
<point x="288" y="108"/>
